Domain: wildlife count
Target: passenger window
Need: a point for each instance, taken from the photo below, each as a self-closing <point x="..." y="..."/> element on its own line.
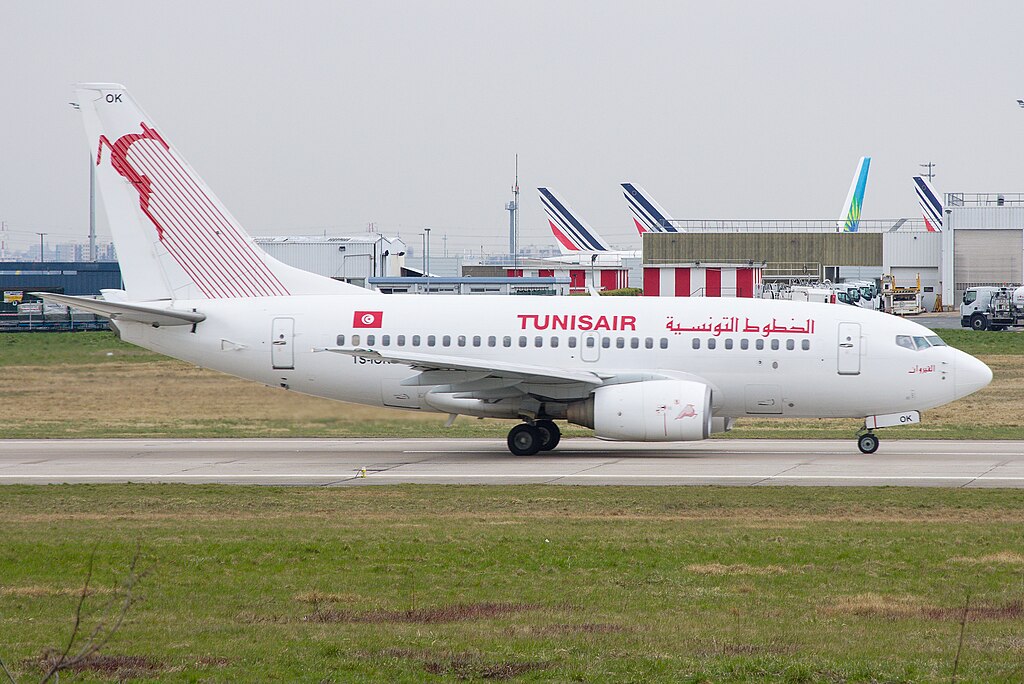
<point x="371" y="340"/>
<point x="663" y="343"/>
<point x="606" y="342"/>
<point x="554" y="342"/>
<point x="431" y="340"/>
<point x="805" y="345"/>
<point x="506" y="341"/>
<point x="522" y="340"/>
<point x="921" y="343"/>
<point x="590" y="343"/>
<point x="790" y="345"/>
<point x="462" y="340"/>
<point x="572" y="343"/>
<point x="401" y="340"/>
<point x="476" y="340"/>
<point x="936" y="341"/>
<point x="649" y="343"/>
<point x="696" y="343"/>
<point x="759" y="344"/>
<point x="744" y="343"/>
<point x="728" y="344"/>
<point x="355" y="340"/>
<point x="905" y="341"/>
<point x="492" y="341"/>
<point x="634" y="343"/>
<point x="538" y="341"/>
<point x="341" y="340"/>
<point x="775" y="345"/>
<point x="415" y="340"/>
<point x="712" y="343"/>
<point x="446" y="341"/>
<point x="620" y="343"/>
<point x="385" y="340"/>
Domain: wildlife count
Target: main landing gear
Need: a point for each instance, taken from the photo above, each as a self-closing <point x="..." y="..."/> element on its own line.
<point x="529" y="438"/>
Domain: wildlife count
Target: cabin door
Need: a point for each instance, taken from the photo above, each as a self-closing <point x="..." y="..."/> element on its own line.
<point x="282" y="343"/>
<point x="849" y="349"/>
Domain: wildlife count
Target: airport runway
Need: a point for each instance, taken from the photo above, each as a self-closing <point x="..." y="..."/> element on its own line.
<point x="486" y="461"/>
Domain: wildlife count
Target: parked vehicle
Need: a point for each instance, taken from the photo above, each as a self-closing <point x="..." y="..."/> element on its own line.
<point x="992" y="308"/>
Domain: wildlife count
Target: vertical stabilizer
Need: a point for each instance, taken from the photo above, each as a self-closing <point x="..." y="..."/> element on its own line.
<point x="850" y="218"/>
<point x="648" y="215"/>
<point x="174" y="238"/>
<point x="572" y="233"/>
<point x="931" y="205"/>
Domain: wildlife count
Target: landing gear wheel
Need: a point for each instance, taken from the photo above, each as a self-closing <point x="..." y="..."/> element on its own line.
<point x="550" y="434"/>
<point x="867" y="443"/>
<point x="524" y="440"/>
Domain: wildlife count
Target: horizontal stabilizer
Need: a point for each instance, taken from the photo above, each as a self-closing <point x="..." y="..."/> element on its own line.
<point x="122" y="311"/>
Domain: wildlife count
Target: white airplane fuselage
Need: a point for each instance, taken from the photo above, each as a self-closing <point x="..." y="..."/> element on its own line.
<point x="825" y="379"/>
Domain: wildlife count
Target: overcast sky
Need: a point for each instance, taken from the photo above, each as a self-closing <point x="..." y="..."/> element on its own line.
<point x="305" y="116"/>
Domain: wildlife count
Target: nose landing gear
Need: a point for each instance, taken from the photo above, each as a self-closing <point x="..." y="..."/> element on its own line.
<point x="867" y="443"/>
<point x="528" y="439"/>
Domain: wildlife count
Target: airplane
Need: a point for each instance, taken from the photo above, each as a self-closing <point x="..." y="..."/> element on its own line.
<point x="850" y="216"/>
<point x="931" y="205"/>
<point x="630" y="368"/>
<point x="648" y="215"/>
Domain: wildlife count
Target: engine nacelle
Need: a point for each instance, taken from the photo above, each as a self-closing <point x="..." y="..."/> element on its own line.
<point x="650" y="411"/>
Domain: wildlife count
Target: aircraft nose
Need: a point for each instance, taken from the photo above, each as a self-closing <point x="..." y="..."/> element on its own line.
<point x="971" y="374"/>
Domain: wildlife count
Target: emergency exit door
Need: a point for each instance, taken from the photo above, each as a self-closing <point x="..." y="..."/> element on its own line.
<point x="849" y="349"/>
<point x="282" y="347"/>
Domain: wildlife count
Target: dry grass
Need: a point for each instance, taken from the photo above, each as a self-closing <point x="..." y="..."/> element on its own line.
<point x="720" y="570"/>
<point x="38" y="591"/>
<point x="1000" y="558"/>
<point x="907" y="607"/>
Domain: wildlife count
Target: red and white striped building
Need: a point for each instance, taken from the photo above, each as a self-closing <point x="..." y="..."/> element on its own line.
<point x="702" y="280"/>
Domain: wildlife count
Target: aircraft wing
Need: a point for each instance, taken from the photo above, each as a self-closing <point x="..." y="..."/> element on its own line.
<point x="492" y="369"/>
<point x="123" y="311"/>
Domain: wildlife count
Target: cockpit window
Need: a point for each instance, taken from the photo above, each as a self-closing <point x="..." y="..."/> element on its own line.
<point x="905" y="341"/>
<point x="936" y="341"/>
<point x="921" y="343"/>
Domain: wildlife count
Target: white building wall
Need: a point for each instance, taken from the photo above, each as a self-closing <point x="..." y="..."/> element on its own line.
<point x="986" y="217"/>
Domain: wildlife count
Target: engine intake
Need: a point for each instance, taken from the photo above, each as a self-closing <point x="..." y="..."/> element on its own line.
<point x="649" y="411"/>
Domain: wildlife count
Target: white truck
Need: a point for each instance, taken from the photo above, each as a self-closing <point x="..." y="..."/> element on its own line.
<point x="992" y="308"/>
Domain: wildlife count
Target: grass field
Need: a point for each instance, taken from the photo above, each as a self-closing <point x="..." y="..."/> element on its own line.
<point x="536" y="583"/>
<point x="92" y="385"/>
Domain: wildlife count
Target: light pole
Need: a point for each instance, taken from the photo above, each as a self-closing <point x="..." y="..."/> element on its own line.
<point x="42" y="255"/>
<point x="426" y="267"/>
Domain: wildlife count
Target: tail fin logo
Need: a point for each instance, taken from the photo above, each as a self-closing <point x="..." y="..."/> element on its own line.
<point x="119" y="161"/>
<point x="931" y="205"/>
<point x="855" y="199"/>
<point x="196" y="230"/>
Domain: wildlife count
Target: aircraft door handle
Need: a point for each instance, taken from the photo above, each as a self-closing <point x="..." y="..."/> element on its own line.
<point x="279" y="342"/>
<point x="847" y="345"/>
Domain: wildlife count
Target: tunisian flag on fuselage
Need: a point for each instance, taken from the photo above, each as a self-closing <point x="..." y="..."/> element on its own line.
<point x="367" y="319"/>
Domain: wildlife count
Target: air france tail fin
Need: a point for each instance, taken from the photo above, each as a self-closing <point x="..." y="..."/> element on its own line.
<point x="850" y="218"/>
<point x="648" y="215"/>
<point x="931" y="205"/>
<point x="174" y="238"/>
<point x="572" y="233"/>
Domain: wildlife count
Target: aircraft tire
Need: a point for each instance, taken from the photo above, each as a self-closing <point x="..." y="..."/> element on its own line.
<point x="524" y="440"/>
<point x="867" y="443"/>
<point x="550" y="434"/>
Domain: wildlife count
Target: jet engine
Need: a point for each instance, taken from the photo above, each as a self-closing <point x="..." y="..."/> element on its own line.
<point x="649" y="411"/>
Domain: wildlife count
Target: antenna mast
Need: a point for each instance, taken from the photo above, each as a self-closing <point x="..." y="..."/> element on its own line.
<point x="513" y="219"/>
